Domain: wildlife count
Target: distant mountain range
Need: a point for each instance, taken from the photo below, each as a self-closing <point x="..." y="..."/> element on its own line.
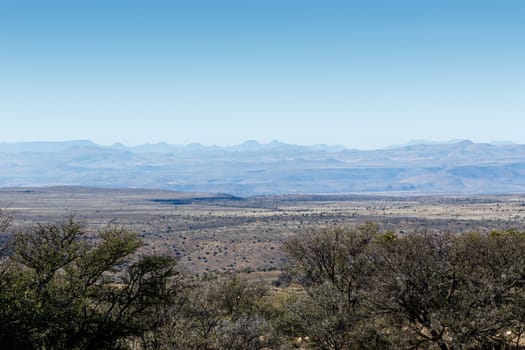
<point x="252" y="168"/>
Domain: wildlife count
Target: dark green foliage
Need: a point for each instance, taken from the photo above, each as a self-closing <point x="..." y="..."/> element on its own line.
<point x="60" y="292"/>
<point x="362" y="289"/>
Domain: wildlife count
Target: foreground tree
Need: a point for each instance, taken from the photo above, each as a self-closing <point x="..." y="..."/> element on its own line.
<point x="417" y="287"/>
<point x="452" y="291"/>
<point x="227" y="312"/>
<point x="365" y="289"/>
<point x="60" y="291"/>
<point x="61" y="288"/>
<point x="332" y="266"/>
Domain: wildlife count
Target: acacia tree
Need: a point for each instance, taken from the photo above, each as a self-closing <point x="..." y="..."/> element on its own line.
<point x="493" y="267"/>
<point x="332" y="266"/>
<point x="64" y="289"/>
<point x="416" y="287"/>
<point x="61" y="291"/>
<point x="431" y="291"/>
<point x="227" y="312"/>
<point x="451" y="291"/>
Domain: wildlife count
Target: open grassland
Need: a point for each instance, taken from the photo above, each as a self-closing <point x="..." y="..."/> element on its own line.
<point x="216" y="233"/>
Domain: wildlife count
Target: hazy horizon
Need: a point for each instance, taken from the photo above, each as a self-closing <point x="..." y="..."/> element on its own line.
<point x="402" y="144"/>
<point x="364" y="75"/>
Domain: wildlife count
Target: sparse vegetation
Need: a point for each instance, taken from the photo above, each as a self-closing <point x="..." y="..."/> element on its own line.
<point x="366" y="289"/>
<point x="255" y="227"/>
<point x="66" y="285"/>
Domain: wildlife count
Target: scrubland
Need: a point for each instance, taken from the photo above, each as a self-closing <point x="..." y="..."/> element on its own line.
<point x="218" y="233"/>
<point x="135" y="269"/>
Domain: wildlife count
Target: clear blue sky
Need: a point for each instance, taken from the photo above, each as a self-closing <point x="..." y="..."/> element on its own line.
<point x="364" y="74"/>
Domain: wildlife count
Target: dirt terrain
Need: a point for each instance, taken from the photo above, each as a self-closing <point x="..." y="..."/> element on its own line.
<point x="210" y="232"/>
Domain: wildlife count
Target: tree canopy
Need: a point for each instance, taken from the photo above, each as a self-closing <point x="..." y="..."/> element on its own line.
<point x="62" y="287"/>
<point x="371" y="289"/>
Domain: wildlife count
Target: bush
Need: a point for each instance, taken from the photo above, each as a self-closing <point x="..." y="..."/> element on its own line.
<point x="63" y="292"/>
<point x="418" y="291"/>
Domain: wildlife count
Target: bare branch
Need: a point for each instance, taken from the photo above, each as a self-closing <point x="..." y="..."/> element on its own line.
<point x="5" y="220"/>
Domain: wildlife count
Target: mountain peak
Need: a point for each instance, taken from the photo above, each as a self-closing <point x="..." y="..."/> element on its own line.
<point x="250" y="143"/>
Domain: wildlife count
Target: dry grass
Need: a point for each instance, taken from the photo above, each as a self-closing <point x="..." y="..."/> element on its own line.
<point x="222" y="235"/>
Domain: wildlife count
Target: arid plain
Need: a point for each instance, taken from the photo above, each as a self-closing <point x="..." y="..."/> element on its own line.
<point x="217" y="233"/>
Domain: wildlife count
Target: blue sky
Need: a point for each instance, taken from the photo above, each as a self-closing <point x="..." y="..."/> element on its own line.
<point x="364" y="74"/>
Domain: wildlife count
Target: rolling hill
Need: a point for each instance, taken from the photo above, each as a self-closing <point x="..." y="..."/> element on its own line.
<point x="253" y="168"/>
